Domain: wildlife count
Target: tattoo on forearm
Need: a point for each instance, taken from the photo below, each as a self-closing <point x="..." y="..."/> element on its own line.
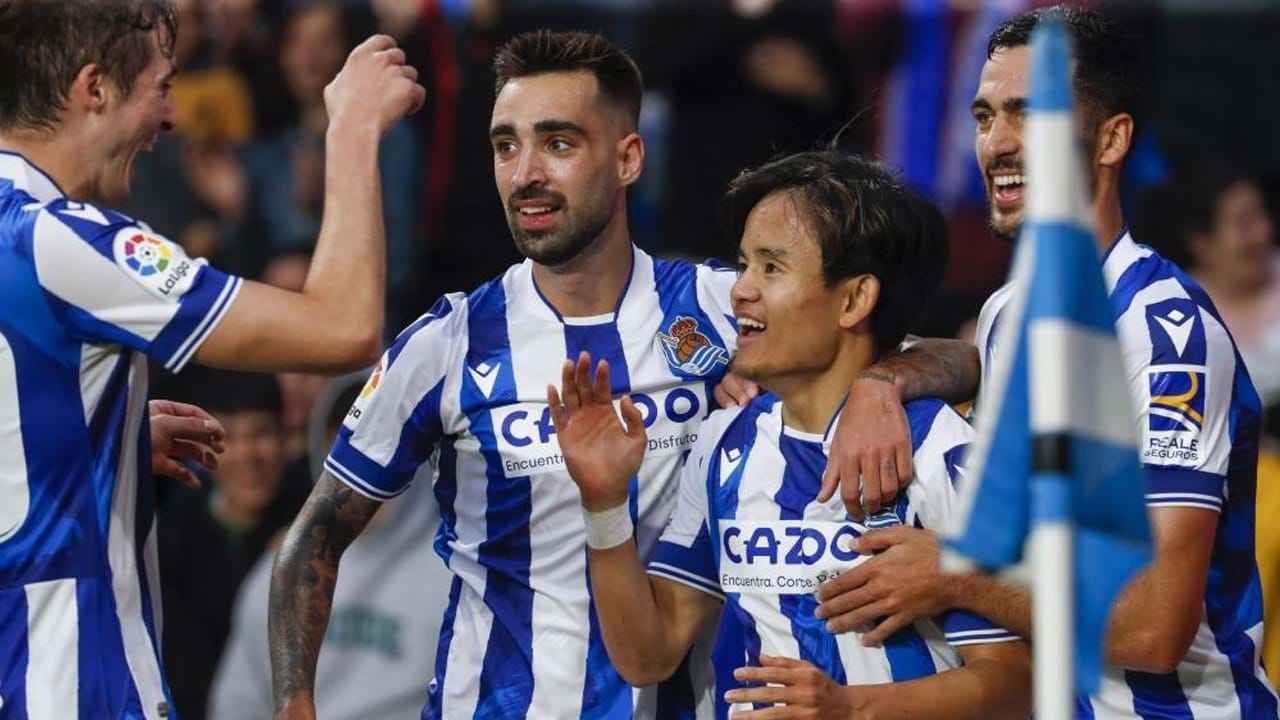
<point x="884" y="377"/>
<point x="303" y="579"/>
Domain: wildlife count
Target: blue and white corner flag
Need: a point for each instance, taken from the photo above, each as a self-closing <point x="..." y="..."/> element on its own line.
<point x="1056" y="441"/>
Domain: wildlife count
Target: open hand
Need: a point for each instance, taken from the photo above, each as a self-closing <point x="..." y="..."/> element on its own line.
<point x="602" y="453"/>
<point x="870" y="457"/>
<point x="804" y="691"/>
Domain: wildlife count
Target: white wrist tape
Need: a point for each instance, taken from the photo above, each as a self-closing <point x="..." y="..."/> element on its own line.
<point x="608" y="528"/>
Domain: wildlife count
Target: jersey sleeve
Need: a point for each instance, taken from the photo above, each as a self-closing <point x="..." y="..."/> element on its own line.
<point x="715" y="281"/>
<point x="112" y="280"/>
<point x="1185" y="394"/>
<point x="685" y="552"/>
<point x="941" y="438"/>
<point x="396" y="422"/>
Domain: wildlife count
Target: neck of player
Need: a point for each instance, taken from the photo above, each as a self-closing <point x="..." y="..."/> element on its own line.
<point x="59" y="156"/>
<point x="592" y="282"/>
<point x="1108" y="217"/>
<point x="811" y="398"/>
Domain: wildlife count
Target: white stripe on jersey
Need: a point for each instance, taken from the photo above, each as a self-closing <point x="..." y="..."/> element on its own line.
<point x="53" y="650"/>
<point x="139" y="653"/>
<point x="96" y="365"/>
<point x="71" y="269"/>
<point x="13" y="471"/>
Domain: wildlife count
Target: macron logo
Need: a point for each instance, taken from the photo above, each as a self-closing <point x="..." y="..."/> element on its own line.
<point x="1177" y="325"/>
<point x="485" y="375"/>
<point x="85" y="212"/>
<point x="729" y="459"/>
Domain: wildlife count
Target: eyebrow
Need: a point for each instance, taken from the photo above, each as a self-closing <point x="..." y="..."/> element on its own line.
<point x="1010" y="105"/>
<point x="770" y="253"/>
<point x="542" y="127"/>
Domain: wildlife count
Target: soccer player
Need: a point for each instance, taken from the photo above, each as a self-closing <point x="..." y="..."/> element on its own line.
<point x="1184" y="636"/>
<point x="836" y="259"/>
<point x="87" y="296"/>
<point x="462" y="391"/>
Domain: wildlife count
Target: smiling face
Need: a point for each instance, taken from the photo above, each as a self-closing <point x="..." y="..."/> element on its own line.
<point x="998" y="110"/>
<point x="556" y="162"/>
<point x="130" y="123"/>
<point x="788" y="318"/>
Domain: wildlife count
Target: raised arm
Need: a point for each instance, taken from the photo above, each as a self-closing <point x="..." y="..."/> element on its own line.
<point x="648" y="623"/>
<point x="870" y="458"/>
<point x="302" y="583"/>
<point x="335" y="323"/>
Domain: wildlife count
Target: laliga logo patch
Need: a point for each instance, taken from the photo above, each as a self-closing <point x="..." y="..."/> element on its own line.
<point x="366" y="392"/>
<point x="155" y="263"/>
<point x="1175" y="415"/>
<point x="690" y="351"/>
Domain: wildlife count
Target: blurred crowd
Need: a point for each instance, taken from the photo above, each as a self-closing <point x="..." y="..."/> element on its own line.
<point x="730" y="83"/>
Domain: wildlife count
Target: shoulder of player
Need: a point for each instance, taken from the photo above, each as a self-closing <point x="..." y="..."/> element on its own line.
<point x="926" y="414"/>
<point x="1172" y="320"/>
<point x="434" y="335"/>
<point x="87" y="220"/>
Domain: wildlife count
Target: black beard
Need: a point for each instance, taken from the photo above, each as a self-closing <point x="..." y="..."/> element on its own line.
<point x="556" y="248"/>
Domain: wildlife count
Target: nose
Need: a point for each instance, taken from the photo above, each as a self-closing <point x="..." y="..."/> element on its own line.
<point x="170" y="118"/>
<point x="1004" y="138"/>
<point x="529" y="170"/>
<point x="744" y="290"/>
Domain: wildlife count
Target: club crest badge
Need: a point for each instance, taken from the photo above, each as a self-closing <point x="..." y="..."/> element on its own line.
<point x="690" y="351"/>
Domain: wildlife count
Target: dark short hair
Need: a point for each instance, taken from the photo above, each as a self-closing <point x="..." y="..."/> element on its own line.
<point x="1186" y="205"/>
<point x="227" y="391"/>
<point x="865" y="220"/>
<point x="544" y="51"/>
<point x="1109" y="71"/>
<point x="45" y="43"/>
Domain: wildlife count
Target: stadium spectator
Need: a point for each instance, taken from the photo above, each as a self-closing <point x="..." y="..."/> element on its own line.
<point x="1214" y="223"/>
<point x="286" y="172"/>
<point x="211" y="537"/>
<point x="387" y="610"/>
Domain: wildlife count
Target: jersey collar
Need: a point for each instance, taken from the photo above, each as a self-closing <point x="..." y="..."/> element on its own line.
<point x="28" y="178"/>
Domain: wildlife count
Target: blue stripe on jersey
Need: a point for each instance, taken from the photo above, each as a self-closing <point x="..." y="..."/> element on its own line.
<point x="1084" y="708"/>
<point x="920" y="416"/>
<point x="446" y="490"/>
<point x="103" y="685"/>
<point x="908" y="656"/>
<point x="438" y="311"/>
<point x="801" y="481"/>
<point x="433" y="709"/>
<point x="722" y="500"/>
<point x="13" y="651"/>
<point x="105" y="436"/>
<point x="49" y="545"/>
<point x="1158" y="696"/>
<point x="676" y="699"/>
<point x="604" y="693"/>
<point x="506" y="677"/>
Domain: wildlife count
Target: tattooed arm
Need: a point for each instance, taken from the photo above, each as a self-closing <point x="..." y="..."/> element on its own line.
<point x="302" y="582"/>
<point x="870" y="458"/>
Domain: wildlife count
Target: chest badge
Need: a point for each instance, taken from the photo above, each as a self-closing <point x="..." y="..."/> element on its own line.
<point x="690" y="351"/>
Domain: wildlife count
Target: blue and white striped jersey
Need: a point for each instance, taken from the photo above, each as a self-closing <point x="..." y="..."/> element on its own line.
<point x="464" y="389"/>
<point x="1200" y="421"/>
<point x="748" y="530"/>
<point x="86" y="296"/>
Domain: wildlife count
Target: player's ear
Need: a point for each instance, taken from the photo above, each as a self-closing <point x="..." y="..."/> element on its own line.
<point x="859" y="296"/>
<point x="630" y="158"/>
<point x="1115" y="139"/>
<point x="89" y="89"/>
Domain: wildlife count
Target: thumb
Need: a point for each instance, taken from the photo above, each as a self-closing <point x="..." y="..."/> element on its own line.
<point x="874" y="541"/>
<point x="631" y="416"/>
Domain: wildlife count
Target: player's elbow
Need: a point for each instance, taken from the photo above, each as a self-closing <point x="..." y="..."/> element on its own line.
<point x="355" y="351"/>
<point x="1157" y="649"/>
<point x="644" y="672"/>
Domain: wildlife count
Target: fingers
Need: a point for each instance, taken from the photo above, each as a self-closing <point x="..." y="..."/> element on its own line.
<point x="885" y="629"/>
<point x="168" y="467"/>
<point x="779" y="661"/>
<point x="874" y="541"/>
<point x="830" y="480"/>
<point x="569" y="387"/>
<point x="198" y="452"/>
<point x="558" y="419"/>
<point x="859" y="619"/>
<point x="853" y="489"/>
<point x="838" y="610"/>
<point x="582" y="378"/>
<point x="631" y="416"/>
<point x="603" y="393"/>
<point x="871" y="497"/>
<point x="902" y="455"/>
<point x="772" y="713"/>
<point x="734" y="390"/>
<point x="375" y="43"/>
<point x="392" y="55"/>
<point x="888" y="480"/>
